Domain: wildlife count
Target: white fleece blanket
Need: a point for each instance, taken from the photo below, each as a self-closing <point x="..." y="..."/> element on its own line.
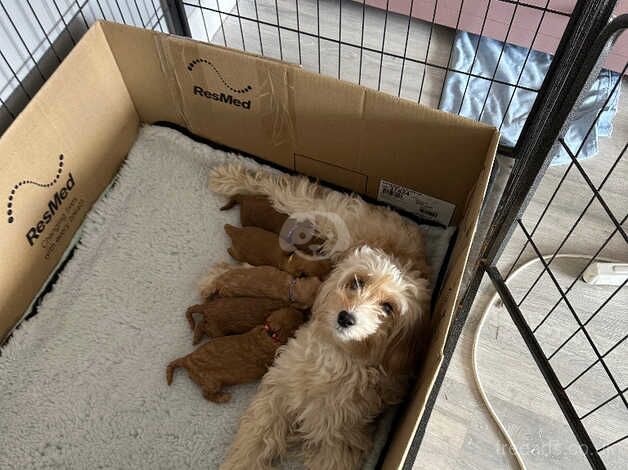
<point x="82" y="384"/>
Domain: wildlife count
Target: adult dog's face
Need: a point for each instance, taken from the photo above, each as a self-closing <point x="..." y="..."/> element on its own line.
<point x="370" y="304"/>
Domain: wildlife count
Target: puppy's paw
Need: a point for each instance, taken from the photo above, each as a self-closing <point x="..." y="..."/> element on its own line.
<point x="217" y="397"/>
<point x="211" y="329"/>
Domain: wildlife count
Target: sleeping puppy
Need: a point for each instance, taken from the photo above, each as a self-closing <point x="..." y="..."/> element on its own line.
<point x="238" y="359"/>
<point x="230" y="315"/>
<point x="257" y="211"/>
<point x="365" y="339"/>
<point x="260" y="247"/>
<point x="260" y="281"/>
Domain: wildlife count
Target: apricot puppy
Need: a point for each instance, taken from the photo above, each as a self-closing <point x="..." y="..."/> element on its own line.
<point x="224" y="316"/>
<point x="238" y="359"/>
<point x="261" y="281"/>
<point x="260" y="247"/>
<point x="257" y="211"/>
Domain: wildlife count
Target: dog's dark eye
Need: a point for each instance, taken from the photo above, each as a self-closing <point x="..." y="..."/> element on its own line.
<point x="356" y="283"/>
<point x="387" y="308"/>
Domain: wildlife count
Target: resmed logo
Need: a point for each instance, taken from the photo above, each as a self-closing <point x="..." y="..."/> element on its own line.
<point x="52" y="207"/>
<point x="17" y="186"/>
<point x="221" y="97"/>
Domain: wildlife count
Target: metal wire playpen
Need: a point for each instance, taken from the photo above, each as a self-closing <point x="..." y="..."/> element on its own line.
<point x="429" y="52"/>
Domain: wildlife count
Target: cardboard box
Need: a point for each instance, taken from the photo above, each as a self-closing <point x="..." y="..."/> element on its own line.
<point x="76" y="132"/>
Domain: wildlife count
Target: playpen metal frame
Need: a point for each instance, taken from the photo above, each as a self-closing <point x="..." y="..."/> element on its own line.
<point x="577" y="61"/>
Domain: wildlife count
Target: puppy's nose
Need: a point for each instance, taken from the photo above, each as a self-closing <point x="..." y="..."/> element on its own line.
<point x="346" y="319"/>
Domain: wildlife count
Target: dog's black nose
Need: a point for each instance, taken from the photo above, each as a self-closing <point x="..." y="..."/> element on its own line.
<point x="346" y="319"/>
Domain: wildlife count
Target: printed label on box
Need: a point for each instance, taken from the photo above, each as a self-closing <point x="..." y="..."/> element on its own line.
<point x="415" y="202"/>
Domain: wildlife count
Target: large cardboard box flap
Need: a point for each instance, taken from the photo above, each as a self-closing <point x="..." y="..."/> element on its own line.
<point x="55" y="160"/>
<point x="338" y="131"/>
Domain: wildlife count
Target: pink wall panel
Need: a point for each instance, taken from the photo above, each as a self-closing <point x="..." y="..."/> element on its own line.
<point x="497" y="20"/>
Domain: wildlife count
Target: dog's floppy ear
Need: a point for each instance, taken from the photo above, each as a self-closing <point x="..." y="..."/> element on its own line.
<point x="408" y="343"/>
<point x="403" y="356"/>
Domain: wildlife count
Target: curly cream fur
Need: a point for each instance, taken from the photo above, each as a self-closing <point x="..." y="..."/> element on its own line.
<point x="329" y="383"/>
<point x="371" y="225"/>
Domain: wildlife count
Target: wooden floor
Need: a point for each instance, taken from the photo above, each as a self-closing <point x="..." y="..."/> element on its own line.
<point x="460" y="434"/>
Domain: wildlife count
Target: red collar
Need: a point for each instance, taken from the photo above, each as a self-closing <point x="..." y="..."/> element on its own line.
<point x="273" y="334"/>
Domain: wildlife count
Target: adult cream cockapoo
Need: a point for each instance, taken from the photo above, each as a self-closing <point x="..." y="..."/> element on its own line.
<point x="365" y="338"/>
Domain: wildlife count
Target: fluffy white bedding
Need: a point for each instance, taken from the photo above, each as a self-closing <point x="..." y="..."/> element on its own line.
<point x="82" y="384"/>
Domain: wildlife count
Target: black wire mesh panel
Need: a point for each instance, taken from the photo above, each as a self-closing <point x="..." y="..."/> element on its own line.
<point x="577" y="331"/>
<point x="581" y="328"/>
<point x="35" y="36"/>
<point x="390" y="51"/>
